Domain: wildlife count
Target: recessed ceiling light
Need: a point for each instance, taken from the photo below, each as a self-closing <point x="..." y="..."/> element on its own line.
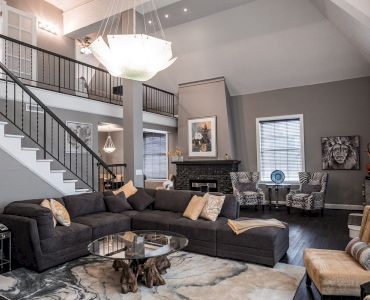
<point x="166" y="16"/>
<point x="150" y="21"/>
<point x="185" y="9"/>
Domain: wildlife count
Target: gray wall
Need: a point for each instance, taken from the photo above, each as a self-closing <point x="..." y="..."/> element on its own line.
<point x="45" y="11"/>
<point x="204" y="99"/>
<point x="329" y="109"/>
<point x="18" y="183"/>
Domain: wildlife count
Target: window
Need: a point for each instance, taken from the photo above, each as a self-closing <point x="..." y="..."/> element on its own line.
<point x="280" y="146"/>
<point x="155" y="155"/>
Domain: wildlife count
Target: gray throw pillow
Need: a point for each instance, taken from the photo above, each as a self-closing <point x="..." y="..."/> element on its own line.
<point x="307" y="188"/>
<point x="140" y="200"/>
<point x="246" y="187"/>
<point x="117" y="204"/>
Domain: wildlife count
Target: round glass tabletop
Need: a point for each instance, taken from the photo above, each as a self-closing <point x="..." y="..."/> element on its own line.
<point x="138" y="244"/>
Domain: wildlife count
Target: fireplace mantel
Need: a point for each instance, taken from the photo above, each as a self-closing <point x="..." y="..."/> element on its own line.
<point x="207" y="162"/>
<point x="215" y="171"/>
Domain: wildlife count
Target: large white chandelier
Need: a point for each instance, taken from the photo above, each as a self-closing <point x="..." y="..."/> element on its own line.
<point x="133" y="56"/>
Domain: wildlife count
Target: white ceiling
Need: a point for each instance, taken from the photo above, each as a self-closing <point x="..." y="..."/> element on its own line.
<point x="109" y="127"/>
<point x="66" y="5"/>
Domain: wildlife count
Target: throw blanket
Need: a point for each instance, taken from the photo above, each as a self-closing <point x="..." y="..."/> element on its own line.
<point x="240" y="226"/>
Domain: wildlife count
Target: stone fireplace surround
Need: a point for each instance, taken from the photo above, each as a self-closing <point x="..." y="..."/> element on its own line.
<point x="216" y="173"/>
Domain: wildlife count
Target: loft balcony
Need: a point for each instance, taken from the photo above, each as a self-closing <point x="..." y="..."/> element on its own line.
<point x="47" y="70"/>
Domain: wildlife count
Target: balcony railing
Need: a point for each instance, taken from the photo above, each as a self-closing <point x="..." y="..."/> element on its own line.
<point x="41" y="68"/>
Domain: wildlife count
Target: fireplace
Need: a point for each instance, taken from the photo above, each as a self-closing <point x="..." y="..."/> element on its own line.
<point x="205" y="174"/>
<point x="203" y="185"/>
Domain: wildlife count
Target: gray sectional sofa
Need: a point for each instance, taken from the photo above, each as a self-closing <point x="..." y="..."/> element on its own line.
<point x="38" y="245"/>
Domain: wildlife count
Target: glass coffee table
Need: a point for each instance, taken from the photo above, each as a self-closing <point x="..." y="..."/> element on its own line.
<point x="141" y="254"/>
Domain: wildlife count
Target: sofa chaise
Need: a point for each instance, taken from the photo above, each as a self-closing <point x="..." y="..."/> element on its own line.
<point x="38" y="245"/>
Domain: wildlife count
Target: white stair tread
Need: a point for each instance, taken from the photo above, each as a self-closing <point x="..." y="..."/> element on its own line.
<point x="14" y="136"/>
<point x="70" y="180"/>
<point x="30" y="149"/>
<point x="5" y="123"/>
<point x="44" y="160"/>
<point x="57" y="171"/>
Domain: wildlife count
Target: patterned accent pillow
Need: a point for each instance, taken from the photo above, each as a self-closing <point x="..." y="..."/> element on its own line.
<point x="60" y="213"/>
<point x="46" y="203"/>
<point x="213" y="206"/>
<point x="246" y="187"/>
<point x="195" y="207"/>
<point x="360" y="251"/>
<point x="310" y="188"/>
<point x="128" y="189"/>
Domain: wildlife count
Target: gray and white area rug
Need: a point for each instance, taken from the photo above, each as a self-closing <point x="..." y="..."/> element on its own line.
<point x="191" y="276"/>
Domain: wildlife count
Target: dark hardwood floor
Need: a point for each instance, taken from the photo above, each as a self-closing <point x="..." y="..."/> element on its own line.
<point x="327" y="232"/>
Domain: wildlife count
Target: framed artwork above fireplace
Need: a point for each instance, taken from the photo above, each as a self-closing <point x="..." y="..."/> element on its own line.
<point x="202" y="137"/>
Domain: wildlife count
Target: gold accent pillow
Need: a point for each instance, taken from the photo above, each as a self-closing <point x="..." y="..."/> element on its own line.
<point x="213" y="206"/>
<point x="128" y="189"/>
<point x="194" y="208"/>
<point x="60" y="213"/>
<point x="46" y="203"/>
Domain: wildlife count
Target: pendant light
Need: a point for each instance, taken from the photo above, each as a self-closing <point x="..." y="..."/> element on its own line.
<point x="109" y="145"/>
<point x="133" y="56"/>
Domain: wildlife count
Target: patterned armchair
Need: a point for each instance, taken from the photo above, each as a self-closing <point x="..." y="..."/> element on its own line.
<point x="255" y="197"/>
<point x="309" y="200"/>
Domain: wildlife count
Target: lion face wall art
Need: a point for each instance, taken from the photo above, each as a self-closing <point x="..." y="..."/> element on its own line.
<point x="340" y="153"/>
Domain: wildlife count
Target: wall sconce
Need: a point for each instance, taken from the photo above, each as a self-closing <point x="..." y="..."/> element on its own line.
<point x="48" y="27"/>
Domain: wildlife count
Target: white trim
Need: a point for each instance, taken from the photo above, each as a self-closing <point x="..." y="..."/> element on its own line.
<point x="167" y="165"/>
<point x="344" y="206"/>
<point x="275" y="118"/>
<point x="75" y="103"/>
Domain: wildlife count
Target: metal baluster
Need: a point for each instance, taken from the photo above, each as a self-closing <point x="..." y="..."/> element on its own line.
<point x="76" y="154"/>
<point x="43" y="68"/>
<point x="45" y="135"/>
<point x="22" y="109"/>
<point x="52" y="134"/>
<point x="70" y="152"/>
<point x="14" y="103"/>
<point x="30" y="118"/>
<point x="19" y="49"/>
<point x="6" y="95"/>
<point x="37" y="122"/>
<point x="92" y="173"/>
<point x="64" y="147"/>
<point x="81" y="158"/>
<point x="58" y="142"/>
<point x="59" y="73"/>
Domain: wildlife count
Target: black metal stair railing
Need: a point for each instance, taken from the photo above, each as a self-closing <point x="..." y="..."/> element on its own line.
<point x="21" y="107"/>
<point x="44" y="69"/>
<point x="105" y="180"/>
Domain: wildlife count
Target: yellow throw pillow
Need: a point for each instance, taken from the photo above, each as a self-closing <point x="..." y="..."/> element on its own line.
<point x="60" y="213"/>
<point x="46" y="203"/>
<point x="128" y="189"/>
<point x="194" y="208"/>
<point x="213" y="206"/>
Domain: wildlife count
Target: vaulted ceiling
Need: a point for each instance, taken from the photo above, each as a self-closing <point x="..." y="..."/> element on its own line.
<point x="257" y="45"/>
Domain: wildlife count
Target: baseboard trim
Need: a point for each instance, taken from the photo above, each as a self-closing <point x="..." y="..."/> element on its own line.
<point x="344" y="206"/>
<point x="335" y="206"/>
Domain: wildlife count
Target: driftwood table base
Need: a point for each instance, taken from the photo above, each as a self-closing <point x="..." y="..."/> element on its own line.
<point x="147" y="270"/>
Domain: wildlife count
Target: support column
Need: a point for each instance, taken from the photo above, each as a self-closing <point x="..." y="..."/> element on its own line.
<point x="133" y="131"/>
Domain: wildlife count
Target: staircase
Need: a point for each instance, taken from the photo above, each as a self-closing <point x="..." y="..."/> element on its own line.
<point x="12" y="144"/>
<point x="53" y="143"/>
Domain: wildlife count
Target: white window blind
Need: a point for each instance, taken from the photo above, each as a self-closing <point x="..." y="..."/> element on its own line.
<point x="155" y="155"/>
<point x="280" y="148"/>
